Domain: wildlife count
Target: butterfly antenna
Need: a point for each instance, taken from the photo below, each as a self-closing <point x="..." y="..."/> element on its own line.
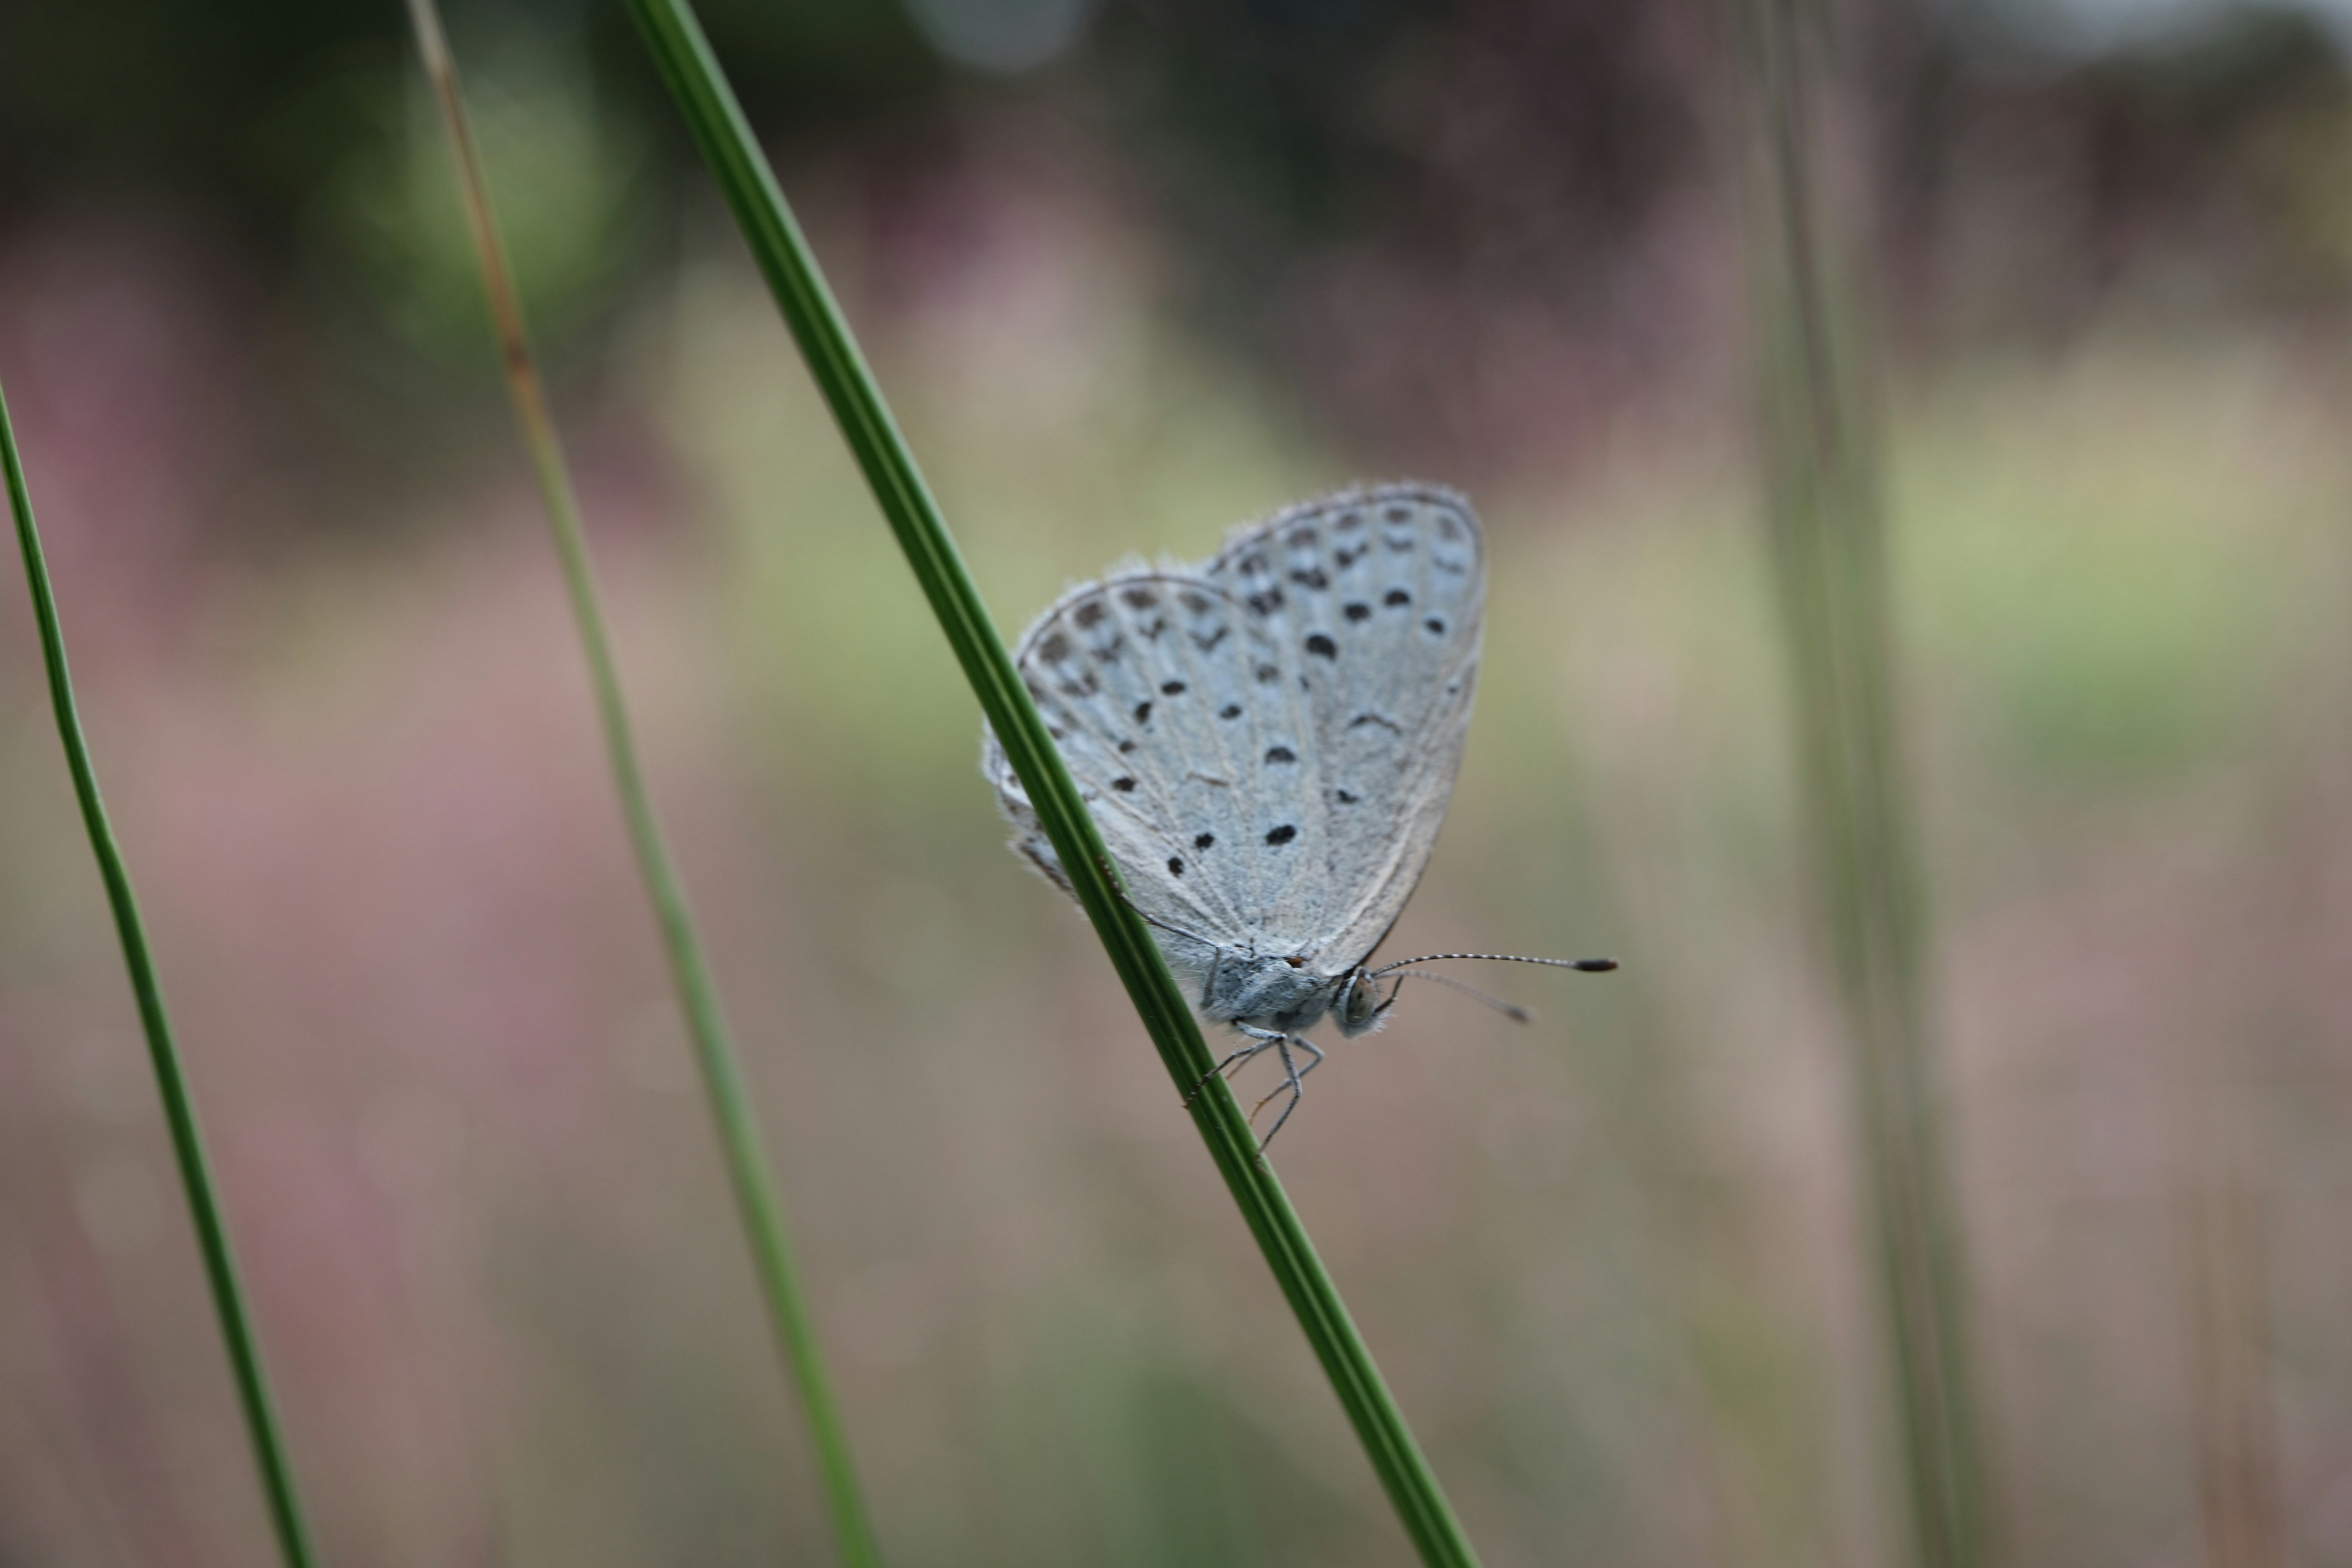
<point x="1587" y="965"/>
<point x="1511" y="1010"/>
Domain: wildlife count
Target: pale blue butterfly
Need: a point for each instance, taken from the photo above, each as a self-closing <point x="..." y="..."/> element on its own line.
<point x="1267" y="742"/>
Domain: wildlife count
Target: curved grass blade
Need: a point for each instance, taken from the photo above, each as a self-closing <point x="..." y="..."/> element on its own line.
<point x="1827" y="523"/>
<point x="756" y="1197"/>
<point x="687" y="67"/>
<point x="285" y="1517"/>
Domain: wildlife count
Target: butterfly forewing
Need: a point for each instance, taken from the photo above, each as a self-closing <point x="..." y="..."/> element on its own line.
<point x="1377" y="597"/>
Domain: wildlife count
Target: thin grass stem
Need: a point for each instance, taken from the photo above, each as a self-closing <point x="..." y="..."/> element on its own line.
<point x="1825" y="512"/>
<point x="757" y="1200"/>
<point x="286" y="1515"/>
<point x="683" y="57"/>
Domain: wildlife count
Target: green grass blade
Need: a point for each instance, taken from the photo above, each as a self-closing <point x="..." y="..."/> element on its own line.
<point x="1820" y="449"/>
<point x="723" y="1075"/>
<point x="286" y="1515"/>
<point x="683" y="57"/>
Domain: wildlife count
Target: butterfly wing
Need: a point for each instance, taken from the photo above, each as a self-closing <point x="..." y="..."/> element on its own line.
<point x="1377" y="599"/>
<point x="1188" y="734"/>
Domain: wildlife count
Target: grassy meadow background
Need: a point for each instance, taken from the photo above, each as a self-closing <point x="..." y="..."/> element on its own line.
<point x="1131" y="275"/>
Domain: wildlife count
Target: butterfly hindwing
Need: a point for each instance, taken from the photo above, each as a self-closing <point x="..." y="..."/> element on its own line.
<point x="1184" y="728"/>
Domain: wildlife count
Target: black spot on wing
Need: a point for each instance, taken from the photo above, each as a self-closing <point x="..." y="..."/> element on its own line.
<point x="1322" y="646"/>
<point x="1282" y="835"/>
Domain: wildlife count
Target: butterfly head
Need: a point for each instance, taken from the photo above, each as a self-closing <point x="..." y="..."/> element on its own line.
<point x="1360" y="1008"/>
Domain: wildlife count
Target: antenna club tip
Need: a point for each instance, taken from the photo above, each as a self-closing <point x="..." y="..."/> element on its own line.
<point x="1596" y="965"/>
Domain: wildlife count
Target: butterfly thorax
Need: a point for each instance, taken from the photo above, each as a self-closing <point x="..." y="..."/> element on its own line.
<point x="1282" y="992"/>
<point x="1268" y="990"/>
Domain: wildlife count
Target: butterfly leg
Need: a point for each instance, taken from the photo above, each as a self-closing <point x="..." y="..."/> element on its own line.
<point x="1292" y="1080"/>
<point x="1312" y="1049"/>
<point x="1260" y="1040"/>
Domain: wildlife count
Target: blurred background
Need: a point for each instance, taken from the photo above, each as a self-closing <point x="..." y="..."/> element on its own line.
<point x="1133" y="272"/>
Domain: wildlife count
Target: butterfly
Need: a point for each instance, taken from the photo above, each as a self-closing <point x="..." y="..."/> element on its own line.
<point x="1267" y="742"/>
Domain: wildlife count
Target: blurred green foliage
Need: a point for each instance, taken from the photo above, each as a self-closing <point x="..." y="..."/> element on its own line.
<point x="568" y="189"/>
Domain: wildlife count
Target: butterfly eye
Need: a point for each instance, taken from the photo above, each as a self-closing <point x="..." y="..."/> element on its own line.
<point x="1358" y="1002"/>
